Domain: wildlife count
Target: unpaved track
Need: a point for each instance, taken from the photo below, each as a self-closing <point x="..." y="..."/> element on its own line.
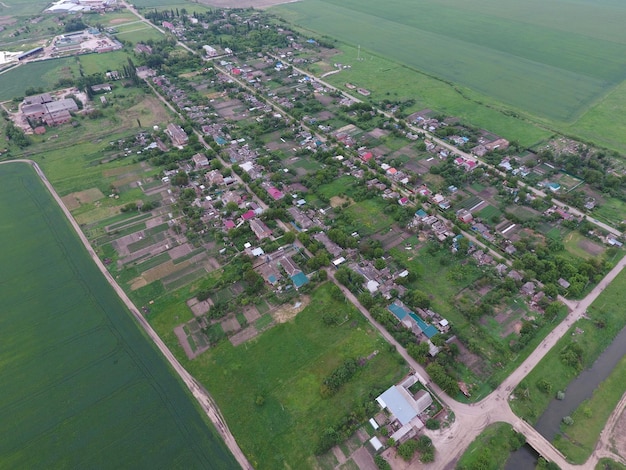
<point x="199" y="392"/>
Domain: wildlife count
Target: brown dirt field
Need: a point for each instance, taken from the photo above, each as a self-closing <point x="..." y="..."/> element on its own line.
<point x="155" y="221"/>
<point x="284" y="313"/>
<point x="200" y="308"/>
<point x="243" y="336"/>
<point x="87" y="196"/>
<point x="121" y="170"/>
<point x="188" y="74"/>
<point x="163" y="270"/>
<point x="364" y="459"/>
<point x="230" y="325"/>
<point x="70" y="202"/>
<point x="138" y="283"/>
<point x="336" y="201"/>
<point x="7" y="20"/>
<point x="131" y="178"/>
<point x="378" y="133"/>
<point x="121" y="20"/>
<point x="251" y="313"/>
<point x="244" y="3"/>
<point x="180" y="251"/>
<point x="590" y="247"/>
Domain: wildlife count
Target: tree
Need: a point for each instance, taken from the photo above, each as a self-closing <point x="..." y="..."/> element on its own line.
<point x="289" y="237"/>
<point x="432" y="423"/>
<point x="407" y="449"/>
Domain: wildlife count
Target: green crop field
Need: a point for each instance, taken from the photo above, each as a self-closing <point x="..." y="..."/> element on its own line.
<point x="81" y="384"/>
<point x="558" y="62"/>
<point x="44" y="74"/>
<point x="504" y="49"/>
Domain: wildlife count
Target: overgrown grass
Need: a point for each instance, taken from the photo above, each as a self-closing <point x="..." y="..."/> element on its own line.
<point x="491" y="449"/>
<point x="531" y="404"/>
<point x="286" y="366"/>
<point x="590" y="417"/>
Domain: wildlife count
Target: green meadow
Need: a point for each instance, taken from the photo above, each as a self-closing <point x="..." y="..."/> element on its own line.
<point x="82" y="386"/>
<point x="269" y="388"/>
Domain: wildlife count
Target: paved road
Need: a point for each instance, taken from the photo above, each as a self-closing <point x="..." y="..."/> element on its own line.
<point x="199" y="393"/>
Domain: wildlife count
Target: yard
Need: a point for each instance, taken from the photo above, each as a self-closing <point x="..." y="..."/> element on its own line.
<point x="285" y="366"/>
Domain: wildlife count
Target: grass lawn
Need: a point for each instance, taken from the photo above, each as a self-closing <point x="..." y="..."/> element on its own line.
<point x="575" y="242"/>
<point x="369" y="216"/>
<point x="490" y="449"/>
<point x="612" y="211"/>
<point x="138" y="33"/>
<point x="79" y="377"/>
<point x="593" y="341"/>
<point x="286" y="366"/>
<point x="489" y="212"/>
<point x="339" y="186"/>
<point x="94" y="63"/>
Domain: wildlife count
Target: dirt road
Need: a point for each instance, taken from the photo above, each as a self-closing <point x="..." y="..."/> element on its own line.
<point x="200" y="394"/>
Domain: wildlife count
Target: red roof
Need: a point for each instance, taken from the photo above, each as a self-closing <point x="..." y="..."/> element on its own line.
<point x="236" y="71"/>
<point x="367" y="156"/>
<point x="403" y="201"/>
<point x="229" y="224"/>
<point x="275" y="193"/>
<point x="248" y="215"/>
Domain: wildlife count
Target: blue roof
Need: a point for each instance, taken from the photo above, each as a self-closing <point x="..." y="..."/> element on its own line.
<point x="428" y="330"/>
<point x="271" y="278"/>
<point x="401" y="313"/>
<point x="299" y="279"/>
<point x="398" y="311"/>
<point x="398" y="405"/>
<point x="420" y="213"/>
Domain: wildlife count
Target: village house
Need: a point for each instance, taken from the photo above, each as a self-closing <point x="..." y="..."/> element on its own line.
<point x="177" y="135"/>
<point x="200" y="160"/>
<point x="405" y="408"/>
<point x="260" y="229"/>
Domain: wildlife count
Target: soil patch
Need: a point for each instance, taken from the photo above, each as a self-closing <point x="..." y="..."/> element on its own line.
<point x="284" y="313"/>
<point x="230" y="324"/>
<point x="164" y="269"/>
<point x="251" y="313"/>
<point x="244" y="3"/>
<point x="244" y="335"/>
<point x="199" y="308"/>
<point x="138" y="283"/>
<point x="590" y="247"/>
<point x="337" y="201"/>
<point x="83" y="197"/>
<point x="70" y="202"/>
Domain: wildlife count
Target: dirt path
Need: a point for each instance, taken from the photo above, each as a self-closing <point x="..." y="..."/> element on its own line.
<point x="197" y="390"/>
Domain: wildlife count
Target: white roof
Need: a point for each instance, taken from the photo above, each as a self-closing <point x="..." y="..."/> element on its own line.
<point x="338" y="261"/>
<point x="247" y="166"/>
<point x="372" y="286"/>
<point x="443" y="322"/>
<point x="374" y="423"/>
<point x="258" y="251"/>
<point x="376" y="444"/>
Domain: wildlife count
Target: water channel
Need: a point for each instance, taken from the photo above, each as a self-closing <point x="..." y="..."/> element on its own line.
<point x="580" y="389"/>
